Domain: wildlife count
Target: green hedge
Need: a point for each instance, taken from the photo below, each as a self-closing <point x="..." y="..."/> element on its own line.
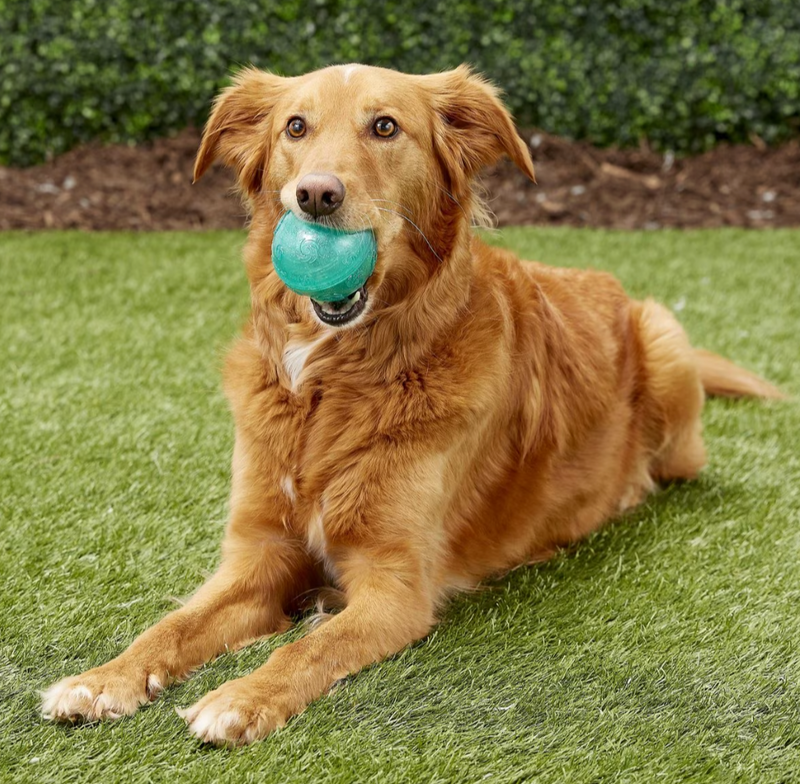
<point x="681" y="73"/>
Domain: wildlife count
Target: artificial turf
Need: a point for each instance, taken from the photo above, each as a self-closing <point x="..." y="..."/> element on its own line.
<point x="664" y="648"/>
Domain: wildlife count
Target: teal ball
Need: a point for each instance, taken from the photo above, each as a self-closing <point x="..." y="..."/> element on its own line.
<point x="321" y="262"/>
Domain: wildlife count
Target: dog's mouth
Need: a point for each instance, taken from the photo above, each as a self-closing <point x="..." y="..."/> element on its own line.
<point x="337" y="314"/>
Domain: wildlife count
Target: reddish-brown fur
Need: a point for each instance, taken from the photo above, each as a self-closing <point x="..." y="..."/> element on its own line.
<point x="482" y="413"/>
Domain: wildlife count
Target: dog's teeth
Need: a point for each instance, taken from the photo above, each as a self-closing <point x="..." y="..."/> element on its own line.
<point x="341" y="306"/>
<point x="341" y="310"/>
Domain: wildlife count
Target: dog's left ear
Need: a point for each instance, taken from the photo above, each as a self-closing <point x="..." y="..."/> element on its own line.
<point x="476" y="128"/>
<point x="238" y="130"/>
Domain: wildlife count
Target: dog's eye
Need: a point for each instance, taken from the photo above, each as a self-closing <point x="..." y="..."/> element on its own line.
<point x="296" y="128"/>
<point x="385" y="127"/>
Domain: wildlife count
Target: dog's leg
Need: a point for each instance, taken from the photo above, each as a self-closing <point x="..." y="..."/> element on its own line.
<point x="241" y="602"/>
<point x="262" y="570"/>
<point x="386" y="610"/>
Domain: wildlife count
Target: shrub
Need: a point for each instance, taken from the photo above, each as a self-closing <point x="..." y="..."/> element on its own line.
<point x="682" y="74"/>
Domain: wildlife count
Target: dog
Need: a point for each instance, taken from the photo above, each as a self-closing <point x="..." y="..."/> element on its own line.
<point x="459" y="415"/>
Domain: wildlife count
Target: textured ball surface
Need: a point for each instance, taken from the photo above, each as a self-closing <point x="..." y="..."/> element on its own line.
<point x="320" y="262"/>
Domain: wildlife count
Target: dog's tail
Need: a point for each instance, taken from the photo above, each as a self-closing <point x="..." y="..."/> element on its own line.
<point x="722" y="378"/>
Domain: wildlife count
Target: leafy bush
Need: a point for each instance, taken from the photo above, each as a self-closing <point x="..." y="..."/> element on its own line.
<point x="682" y="74"/>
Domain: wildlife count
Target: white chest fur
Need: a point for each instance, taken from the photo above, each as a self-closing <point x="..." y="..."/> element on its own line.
<point x="295" y="356"/>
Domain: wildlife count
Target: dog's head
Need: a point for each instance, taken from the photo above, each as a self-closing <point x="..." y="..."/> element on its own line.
<point x="359" y="147"/>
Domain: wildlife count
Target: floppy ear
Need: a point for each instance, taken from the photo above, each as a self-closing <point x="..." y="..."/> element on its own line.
<point x="475" y="128"/>
<point x="238" y="130"/>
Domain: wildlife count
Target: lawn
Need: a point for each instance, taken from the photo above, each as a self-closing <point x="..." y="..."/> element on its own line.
<point x="664" y="648"/>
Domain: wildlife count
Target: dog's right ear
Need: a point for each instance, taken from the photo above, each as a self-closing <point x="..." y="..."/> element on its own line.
<point x="238" y="130"/>
<point x="475" y="128"/>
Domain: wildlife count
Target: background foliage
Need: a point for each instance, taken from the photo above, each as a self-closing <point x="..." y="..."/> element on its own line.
<point x="682" y="74"/>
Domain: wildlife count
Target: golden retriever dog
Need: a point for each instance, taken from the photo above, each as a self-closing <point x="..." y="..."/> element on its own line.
<point x="461" y="414"/>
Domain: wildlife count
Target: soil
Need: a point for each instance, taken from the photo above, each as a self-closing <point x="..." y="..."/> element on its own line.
<point x="149" y="187"/>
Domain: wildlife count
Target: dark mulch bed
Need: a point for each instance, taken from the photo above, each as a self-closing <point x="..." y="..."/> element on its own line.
<point x="149" y="187"/>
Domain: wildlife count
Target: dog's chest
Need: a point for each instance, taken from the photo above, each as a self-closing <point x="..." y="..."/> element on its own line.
<point x="326" y="435"/>
<point x="308" y="520"/>
<point x="295" y="357"/>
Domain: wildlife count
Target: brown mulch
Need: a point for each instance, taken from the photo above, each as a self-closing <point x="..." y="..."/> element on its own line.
<point x="149" y="187"/>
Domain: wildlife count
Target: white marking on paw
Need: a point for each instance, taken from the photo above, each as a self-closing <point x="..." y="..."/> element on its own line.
<point x="96" y="695"/>
<point x="229" y="718"/>
<point x="212" y="726"/>
<point x="50" y="698"/>
<point x="202" y="724"/>
<point x="63" y="699"/>
<point x="185" y="713"/>
<point x="104" y="707"/>
<point x="154" y="686"/>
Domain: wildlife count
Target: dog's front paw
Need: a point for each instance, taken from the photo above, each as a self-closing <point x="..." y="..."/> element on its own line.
<point x="106" y="692"/>
<point x="235" y="714"/>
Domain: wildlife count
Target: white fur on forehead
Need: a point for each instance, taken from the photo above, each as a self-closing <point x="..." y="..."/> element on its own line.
<point x="349" y="70"/>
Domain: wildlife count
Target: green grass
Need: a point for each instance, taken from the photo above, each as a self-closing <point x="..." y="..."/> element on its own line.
<point x="664" y="648"/>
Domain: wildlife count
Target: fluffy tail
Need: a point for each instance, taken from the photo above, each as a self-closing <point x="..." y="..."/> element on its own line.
<point x="723" y="378"/>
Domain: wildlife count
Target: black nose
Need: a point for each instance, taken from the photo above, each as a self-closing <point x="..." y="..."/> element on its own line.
<point x="320" y="194"/>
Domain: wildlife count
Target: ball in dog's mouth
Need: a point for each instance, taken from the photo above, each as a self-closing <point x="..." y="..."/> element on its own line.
<point x="337" y="314"/>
